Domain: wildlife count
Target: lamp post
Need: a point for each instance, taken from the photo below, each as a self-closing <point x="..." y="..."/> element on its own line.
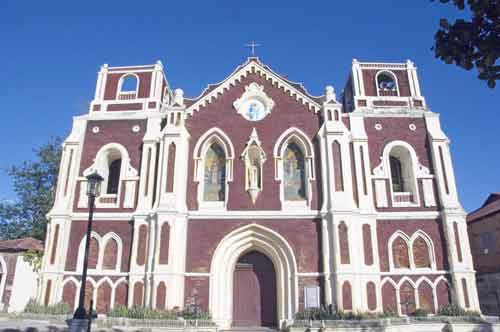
<point x="80" y="316"/>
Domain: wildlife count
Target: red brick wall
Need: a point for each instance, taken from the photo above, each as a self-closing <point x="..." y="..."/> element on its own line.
<point x="407" y="295"/>
<point x="111" y="131"/>
<point x="397" y="129"/>
<point x="121" y="294"/>
<point x="110" y="254"/>
<point x="111" y="90"/>
<point x="161" y="295"/>
<point x="433" y="228"/>
<point x="103" y="298"/>
<point x="344" y="243"/>
<point x="171" y="167"/>
<point x="371" y="296"/>
<point x="426" y="298"/>
<point x="197" y="289"/>
<point x="285" y="114"/>
<point x="309" y="281"/>
<point x="389" y="300"/>
<point x="485" y="262"/>
<point x="304" y="236"/>
<point x="371" y="85"/>
<point x="78" y="230"/>
<point x="164" y="243"/>
<point x="142" y="244"/>
<point x="138" y="293"/>
<point x="69" y="294"/>
<point x="346" y="296"/>
<point x="367" y="244"/>
<point x="443" y="294"/>
<point x="11" y="262"/>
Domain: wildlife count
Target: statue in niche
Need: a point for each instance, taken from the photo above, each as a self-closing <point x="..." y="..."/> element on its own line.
<point x="254" y="158"/>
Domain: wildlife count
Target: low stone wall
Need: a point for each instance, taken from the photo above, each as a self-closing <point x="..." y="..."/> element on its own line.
<point x="122" y="324"/>
<point x="428" y="324"/>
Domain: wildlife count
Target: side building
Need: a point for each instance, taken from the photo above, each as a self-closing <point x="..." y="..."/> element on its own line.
<point x="257" y="193"/>
<point x="484" y="234"/>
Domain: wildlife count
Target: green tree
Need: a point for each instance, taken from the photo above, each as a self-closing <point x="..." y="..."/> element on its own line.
<point x="34" y="185"/>
<point x="472" y="43"/>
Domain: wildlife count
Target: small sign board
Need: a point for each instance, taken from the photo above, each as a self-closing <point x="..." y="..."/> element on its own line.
<point x="311" y="297"/>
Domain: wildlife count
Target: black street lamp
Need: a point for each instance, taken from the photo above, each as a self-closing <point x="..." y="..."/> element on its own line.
<point x="93" y="190"/>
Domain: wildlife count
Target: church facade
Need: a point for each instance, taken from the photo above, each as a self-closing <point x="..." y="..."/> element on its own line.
<point x="256" y="200"/>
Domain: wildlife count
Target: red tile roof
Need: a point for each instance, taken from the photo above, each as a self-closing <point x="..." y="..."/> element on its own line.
<point x="490" y="206"/>
<point x="23" y="244"/>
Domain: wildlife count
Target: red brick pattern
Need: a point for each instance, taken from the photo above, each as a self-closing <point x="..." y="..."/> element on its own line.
<point x="367" y="244"/>
<point x="197" y="290"/>
<point x="421" y="253"/>
<point x="433" y="228"/>
<point x="142" y="244"/>
<point x="161" y="295"/>
<point x="164" y="243"/>
<point x="400" y="255"/>
<point x="426" y="299"/>
<point x="286" y="113"/>
<point x="110" y="255"/>
<point x="69" y="294"/>
<point x="389" y="299"/>
<point x="303" y="235"/>
<point x="171" y="168"/>
<point x="407" y="297"/>
<point x="346" y="296"/>
<point x="371" y="295"/>
<point x="371" y="85"/>
<point x="93" y="253"/>
<point x="337" y="166"/>
<point x="344" y="243"/>
<point x="103" y="298"/>
<point x="138" y="293"/>
<point x="122" y="228"/>
<point x="443" y="294"/>
<point x="121" y="294"/>
<point x="111" y="90"/>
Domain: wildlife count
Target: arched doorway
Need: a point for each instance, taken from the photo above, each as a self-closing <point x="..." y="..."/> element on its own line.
<point x="254" y="294"/>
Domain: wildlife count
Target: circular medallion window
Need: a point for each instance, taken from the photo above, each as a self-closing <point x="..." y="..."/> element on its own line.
<point x="254" y="104"/>
<point x="136" y="129"/>
<point x="378" y="126"/>
<point x="95" y="130"/>
<point x="412" y="127"/>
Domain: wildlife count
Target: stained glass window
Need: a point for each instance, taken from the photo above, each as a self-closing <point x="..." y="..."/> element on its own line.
<point x="294" y="173"/>
<point x="215" y="174"/>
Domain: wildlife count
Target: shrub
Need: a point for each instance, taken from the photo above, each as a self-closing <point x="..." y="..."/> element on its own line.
<point x="139" y="312"/>
<point x="451" y="310"/>
<point x="387" y="314"/>
<point x="420" y="313"/>
<point x="34" y="307"/>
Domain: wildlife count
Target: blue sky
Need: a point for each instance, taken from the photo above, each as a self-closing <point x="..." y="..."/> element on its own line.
<point x="50" y="53"/>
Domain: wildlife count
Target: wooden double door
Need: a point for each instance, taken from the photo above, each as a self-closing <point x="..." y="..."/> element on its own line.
<point x="254" y="293"/>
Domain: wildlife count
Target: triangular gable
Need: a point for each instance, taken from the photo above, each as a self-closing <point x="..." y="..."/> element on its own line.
<point x="253" y="65"/>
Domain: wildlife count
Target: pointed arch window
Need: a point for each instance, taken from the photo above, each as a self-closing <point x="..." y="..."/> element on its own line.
<point x="294" y="174"/>
<point x="214" y="183"/>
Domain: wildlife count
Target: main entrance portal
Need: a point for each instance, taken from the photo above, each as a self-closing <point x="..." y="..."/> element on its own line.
<point x="254" y="295"/>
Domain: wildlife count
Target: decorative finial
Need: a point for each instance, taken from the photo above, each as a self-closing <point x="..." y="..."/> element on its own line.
<point x="179" y="97"/>
<point x="252" y="45"/>
<point x="330" y="94"/>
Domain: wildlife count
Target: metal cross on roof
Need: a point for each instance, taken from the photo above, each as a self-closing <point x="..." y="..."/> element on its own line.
<point x="252" y="45"/>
